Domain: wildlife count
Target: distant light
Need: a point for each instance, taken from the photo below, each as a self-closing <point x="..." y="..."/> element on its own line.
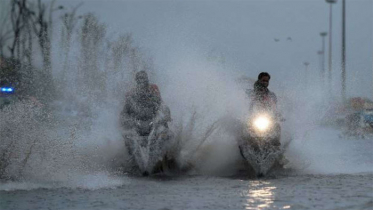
<point x="7" y="89"/>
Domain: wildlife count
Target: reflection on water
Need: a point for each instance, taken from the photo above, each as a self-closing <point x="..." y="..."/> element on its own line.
<point x="260" y="195"/>
<point x="210" y="193"/>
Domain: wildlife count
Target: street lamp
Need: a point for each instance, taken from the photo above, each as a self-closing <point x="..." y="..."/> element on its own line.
<point x="306" y="64"/>
<point x="323" y="35"/>
<point x="321" y="55"/>
<point x="331" y="2"/>
<point x="343" y="50"/>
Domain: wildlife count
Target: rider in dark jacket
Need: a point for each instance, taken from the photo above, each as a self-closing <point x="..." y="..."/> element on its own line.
<point x="265" y="99"/>
<point x="262" y="95"/>
<point x="142" y="102"/>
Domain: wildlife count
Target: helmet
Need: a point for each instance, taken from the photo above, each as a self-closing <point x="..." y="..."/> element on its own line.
<point x="141" y="77"/>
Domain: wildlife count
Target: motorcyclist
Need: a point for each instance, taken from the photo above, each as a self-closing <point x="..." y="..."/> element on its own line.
<point x="261" y="95"/>
<point x="265" y="99"/>
<point x="142" y="102"/>
<point x="144" y="120"/>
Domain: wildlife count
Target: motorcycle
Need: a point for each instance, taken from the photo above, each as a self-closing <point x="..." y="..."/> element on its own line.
<point x="149" y="143"/>
<point x="259" y="143"/>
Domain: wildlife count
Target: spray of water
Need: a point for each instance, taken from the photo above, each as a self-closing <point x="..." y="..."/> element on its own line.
<point x="200" y="94"/>
<point x="318" y="145"/>
<point x="78" y="140"/>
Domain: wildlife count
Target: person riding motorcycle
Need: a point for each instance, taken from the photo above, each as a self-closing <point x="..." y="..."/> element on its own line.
<point x="260" y="139"/>
<point x="262" y="97"/>
<point x="142" y="102"/>
<point x="144" y="120"/>
<point x="143" y="107"/>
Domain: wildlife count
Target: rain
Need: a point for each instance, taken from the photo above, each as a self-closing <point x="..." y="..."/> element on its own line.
<point x="156" y="104"/>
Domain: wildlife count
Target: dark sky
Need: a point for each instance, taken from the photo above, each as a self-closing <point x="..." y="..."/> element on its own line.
<point x="244" y="33"/>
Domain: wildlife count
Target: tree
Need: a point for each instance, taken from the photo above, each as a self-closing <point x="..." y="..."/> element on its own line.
<point x="5" y="29"/>
<point x="42" y="22"/>
<point x="92" y="36"/>
<point x="69" y="22"/>
<point x="18" y="11"/>
<point x="120" y="49"/>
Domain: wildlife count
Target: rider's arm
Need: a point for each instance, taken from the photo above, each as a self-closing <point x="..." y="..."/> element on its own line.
<point x="278" y="114"/>
<point x="274" y="98"/>
<point x="251" y="95"/>
<point x="127" y="108"/>
<point x="127" y="112"/>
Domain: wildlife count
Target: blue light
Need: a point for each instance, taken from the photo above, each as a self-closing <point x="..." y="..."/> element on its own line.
<point x="7" y="89"/>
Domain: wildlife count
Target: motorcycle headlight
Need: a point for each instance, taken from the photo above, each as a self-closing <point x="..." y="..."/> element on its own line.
<point x="262" y="123"/>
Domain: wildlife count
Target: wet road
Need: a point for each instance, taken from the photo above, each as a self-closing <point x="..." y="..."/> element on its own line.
<point x="290" y="191"/>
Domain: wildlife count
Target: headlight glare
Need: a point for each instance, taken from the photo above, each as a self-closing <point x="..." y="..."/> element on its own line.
<point x="262" y="123"/>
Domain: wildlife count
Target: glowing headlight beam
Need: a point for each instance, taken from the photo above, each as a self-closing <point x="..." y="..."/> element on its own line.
<point x="262" y="123"/>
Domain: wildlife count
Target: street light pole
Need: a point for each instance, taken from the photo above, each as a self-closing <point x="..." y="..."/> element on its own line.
<point x="331" y="2"/>
<point x="321" y="53"/>
<point x="323" y="34"/>
<point x="343" y="50"/>
<point x="306" y="64"/>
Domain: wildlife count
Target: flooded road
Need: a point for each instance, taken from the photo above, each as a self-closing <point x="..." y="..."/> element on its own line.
<point x="332" y="173"/>
<point x="201" y="192"/>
